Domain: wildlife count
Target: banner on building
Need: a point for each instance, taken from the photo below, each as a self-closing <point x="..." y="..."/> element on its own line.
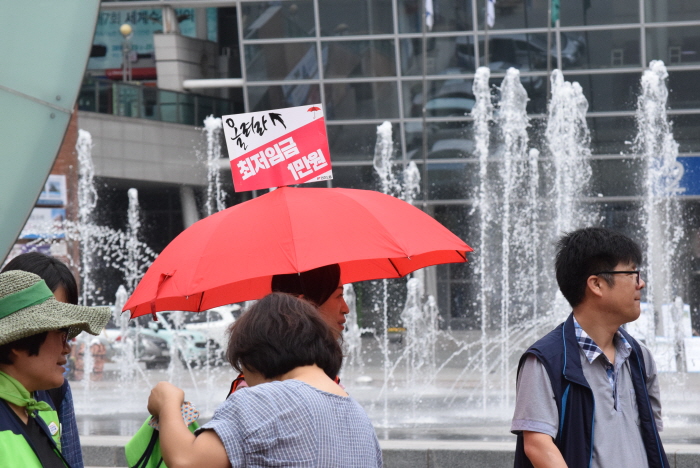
<point x="278" y="147"/>
<point x="54" y="192"/>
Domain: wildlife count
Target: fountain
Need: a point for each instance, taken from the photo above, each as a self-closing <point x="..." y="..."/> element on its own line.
<point x="421" y="379"/>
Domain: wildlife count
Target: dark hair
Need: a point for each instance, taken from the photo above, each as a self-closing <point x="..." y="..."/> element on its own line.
<point x="50" y="269"/>
<point x="279" y="333"/>
<point x="316" y="285"/>
<point x="587" y="251"/>
<point x="30" y="344"/>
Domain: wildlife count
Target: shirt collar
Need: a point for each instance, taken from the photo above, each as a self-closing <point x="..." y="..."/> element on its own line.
<point x="590" y="349"/>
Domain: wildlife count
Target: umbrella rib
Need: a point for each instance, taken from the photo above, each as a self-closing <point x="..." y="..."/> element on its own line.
<point x="395" y="269"/>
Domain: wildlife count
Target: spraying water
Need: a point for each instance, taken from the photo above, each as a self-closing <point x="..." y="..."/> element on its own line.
<point x="663" y="225"/>
<point x="87" y="200"/>
<point x="215" y="193"/>
<point x="483" y="116"/>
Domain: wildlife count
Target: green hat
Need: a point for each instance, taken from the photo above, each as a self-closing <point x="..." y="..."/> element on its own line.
<point x="28" y="307"/>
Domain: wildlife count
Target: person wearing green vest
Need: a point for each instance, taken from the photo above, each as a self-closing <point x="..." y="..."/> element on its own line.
<point x="34" y="331"/>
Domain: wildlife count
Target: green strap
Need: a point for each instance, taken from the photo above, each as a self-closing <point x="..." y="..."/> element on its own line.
<point x="31" y="296"/>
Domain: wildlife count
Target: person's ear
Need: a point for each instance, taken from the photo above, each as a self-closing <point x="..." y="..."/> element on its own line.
<point x="594" y="285"/>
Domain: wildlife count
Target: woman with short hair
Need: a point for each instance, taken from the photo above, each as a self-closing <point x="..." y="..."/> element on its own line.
<point x="294" y="414"/>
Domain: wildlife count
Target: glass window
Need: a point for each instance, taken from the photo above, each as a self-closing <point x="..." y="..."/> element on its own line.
<point x="294" y="61"/>
<point x="352" y="17"/>
<point x="275" y="97"/>
<point x="446" y="140"/>
<point x="448" y="15"/>
<point x="265" y="20"/>
<point x="359" y="59"/>
<point x="672" y="10"/>
<point x="528" y="52"/>
<point x="516" y="14"/>
<point x="685" y="131"/>
<point x="615" y="177"/>
<point x="599" y="12"/>
<point x="444" y="55"/>
<point x="446" y="98"/>
<point x="601" y="49"/>
<point x="674" y="45"/>
<point x="683" y="89"/>
<point x="451" y="180"/>
<point x="614" y="92"/>
<point x="345" y="101"/>
<point x="356" y="177"/>
<point x="356" y="142"/>
<point x="612" y="135"/>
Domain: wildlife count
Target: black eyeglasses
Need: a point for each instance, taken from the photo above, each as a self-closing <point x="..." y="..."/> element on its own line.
<point x="631" y="272"/>
<point x="64" y="335"/>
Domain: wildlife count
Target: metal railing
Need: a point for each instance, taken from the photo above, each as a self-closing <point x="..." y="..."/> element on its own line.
<point x="146" y="102"/>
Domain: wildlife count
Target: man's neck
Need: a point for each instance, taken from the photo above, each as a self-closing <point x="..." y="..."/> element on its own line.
<point x="599" y="328"/>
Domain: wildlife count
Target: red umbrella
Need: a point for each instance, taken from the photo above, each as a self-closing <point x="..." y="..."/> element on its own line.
<point x="232" y="255"/>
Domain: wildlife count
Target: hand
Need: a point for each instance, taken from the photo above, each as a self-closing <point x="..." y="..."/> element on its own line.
<point x="163" y="395"/>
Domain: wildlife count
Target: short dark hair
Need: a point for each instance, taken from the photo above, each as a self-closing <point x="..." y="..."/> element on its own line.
<point x="50" y="269"/>
<point x="587" y="251"/>
<point x="30" y="344"/>
<point x="279" y="333"/>
<point x="316" y="285"/>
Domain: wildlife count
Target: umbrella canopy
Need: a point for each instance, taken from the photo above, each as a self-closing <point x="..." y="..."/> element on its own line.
<point x="232" y="255"/>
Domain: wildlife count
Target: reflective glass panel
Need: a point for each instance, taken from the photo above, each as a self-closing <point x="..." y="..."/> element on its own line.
<point x="675" y="46"/>
<point x="444" y="55"/>
<point x="265" y="20"/>
<point x="683" y="87"/>
<point x="356" y="142"/>
<point x="446" y="98"/>
<point x="611" y="135"/>
<point x="685" y="131"/>
<point x="615" y="177"/>
<point x="445" y="140"/>
<point x="672" y="10"/>
<point x="275" y="97"/>
<point x="516" y="14"/>
<point x="601" y="49"/>
<point x="597" y="12"/>
<point x="451" y="180"/>
<point x="359" y="59"/>
<point x="614" y="92"/>
<point x="346" y="101"/>
<point x="352" y="17"/>
<point x="355" y="177"/>
<point x="294" y="61"/>
<point x="448" y="15"/>
<point x="528" y="52"/>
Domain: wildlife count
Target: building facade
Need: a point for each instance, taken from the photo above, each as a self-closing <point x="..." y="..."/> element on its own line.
<point x="371" y="61"/>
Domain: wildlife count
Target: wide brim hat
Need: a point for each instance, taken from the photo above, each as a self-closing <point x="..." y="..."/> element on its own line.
<point x="28" y="307"/>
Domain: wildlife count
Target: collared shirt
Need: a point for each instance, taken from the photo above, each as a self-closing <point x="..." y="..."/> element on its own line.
<point x="592" y="351"/>
<point x="616" y="420"/>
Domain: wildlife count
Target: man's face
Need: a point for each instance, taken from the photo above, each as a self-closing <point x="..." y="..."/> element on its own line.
<point x="334" y="310"/>
<point x="624" y="297"/>
<point x="45" y="370"/>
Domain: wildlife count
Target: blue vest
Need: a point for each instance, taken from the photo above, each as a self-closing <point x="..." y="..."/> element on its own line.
<point x="559" y="352"/>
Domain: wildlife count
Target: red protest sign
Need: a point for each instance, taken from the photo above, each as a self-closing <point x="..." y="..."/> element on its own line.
<point x="279" y="147"/>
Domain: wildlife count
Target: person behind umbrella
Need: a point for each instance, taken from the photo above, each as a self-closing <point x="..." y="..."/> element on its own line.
<point x="293" y="414"/>
<point x="62" y="283"/>
<point x="320" y="286"/>
<point x="34" y="330"/>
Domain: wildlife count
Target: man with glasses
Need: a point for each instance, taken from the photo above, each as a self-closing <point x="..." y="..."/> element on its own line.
<point x="587" y="392"/>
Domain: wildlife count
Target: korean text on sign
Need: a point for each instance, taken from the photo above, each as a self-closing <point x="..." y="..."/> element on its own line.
<point x="268" y="157"/>
<point x="306" y="165"/>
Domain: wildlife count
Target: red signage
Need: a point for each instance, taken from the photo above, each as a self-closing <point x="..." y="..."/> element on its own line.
<point x="277" y="148"/>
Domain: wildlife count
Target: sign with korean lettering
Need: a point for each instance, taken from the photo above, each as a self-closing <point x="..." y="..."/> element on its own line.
<point x="278" y="147"/>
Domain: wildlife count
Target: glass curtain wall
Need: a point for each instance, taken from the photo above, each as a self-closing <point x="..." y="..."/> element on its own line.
<point x="370" y="61"/>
